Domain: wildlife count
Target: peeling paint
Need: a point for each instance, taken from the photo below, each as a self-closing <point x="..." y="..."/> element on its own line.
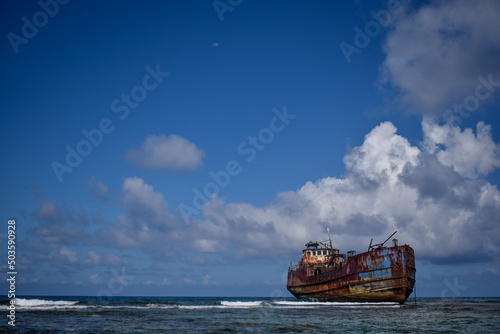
<point x="382" y="274"/>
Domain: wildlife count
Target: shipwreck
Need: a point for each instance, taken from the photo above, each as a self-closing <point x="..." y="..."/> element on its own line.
<point x="381" y="274"/>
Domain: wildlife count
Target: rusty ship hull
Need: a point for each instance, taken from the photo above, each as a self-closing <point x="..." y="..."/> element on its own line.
<point x="380" y="275"/>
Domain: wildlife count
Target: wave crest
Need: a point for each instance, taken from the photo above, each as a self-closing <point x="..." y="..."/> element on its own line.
<point x="241" y="304"/>
<point x="22" y="302"/>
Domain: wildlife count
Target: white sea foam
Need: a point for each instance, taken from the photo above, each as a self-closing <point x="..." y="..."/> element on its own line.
<point x="44" y="304"/>
<point x="223" y="304"/>
<point x="333" y="304"/>
<point x="198" y="307"/>
<point x="163" y="306"/>
<point x="241" y="304"/>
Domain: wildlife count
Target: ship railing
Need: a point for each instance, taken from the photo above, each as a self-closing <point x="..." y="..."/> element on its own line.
<point x="294" y="265"/>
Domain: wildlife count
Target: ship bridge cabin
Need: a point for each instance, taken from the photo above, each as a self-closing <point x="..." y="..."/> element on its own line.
<point x="318" y="254"/>
<point x="318" y="258"/>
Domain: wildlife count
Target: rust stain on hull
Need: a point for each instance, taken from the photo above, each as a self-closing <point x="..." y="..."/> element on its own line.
<point x="385" y="274"/>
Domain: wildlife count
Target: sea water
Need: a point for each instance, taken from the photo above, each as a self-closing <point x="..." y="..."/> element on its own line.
<point x="249" y="315"/>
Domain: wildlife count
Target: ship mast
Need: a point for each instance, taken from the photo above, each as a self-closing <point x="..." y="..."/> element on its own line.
<point x="329" y="239"/>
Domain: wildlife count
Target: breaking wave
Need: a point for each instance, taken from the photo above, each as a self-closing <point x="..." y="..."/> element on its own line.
<point x="241" y="304"/>
<point x="311" y="304"/>
<point x="44" y="304"/>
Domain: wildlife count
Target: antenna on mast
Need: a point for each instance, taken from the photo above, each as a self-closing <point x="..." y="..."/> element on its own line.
<point x="329" y="239"/>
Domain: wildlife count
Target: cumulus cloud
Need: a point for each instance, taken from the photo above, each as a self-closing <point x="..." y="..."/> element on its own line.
<point x="106" y="259"/>
<point x="206" y="280"/>
<point x="434" y="195"/>
<point x="58" y="225"/>
<point x="69" y="255"/>
<point x="189" y="281"/>
<point x="97" y="189"/>
<point x="382" y="153"/>
<point x="123" y="234"/>
<point x="492" y="271"/>
<point x="167" y="153"/>
<point x="166" y="281"/>
<point x="95" y="279"/>
<point x="147" y="224"/>
<point x="207" y="246"/>
<point x="94" y="258"/>
<point x="389" y="185"/>
<point x="49" y="212"/>
<point x="469" y="154"/>
<point x="115" y="261"/>
<point x="144" y="204"/>
<point x="435" y="55"/>
<point x="51" y="253"/>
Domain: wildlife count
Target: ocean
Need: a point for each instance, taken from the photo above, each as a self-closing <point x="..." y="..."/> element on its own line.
<point x="249" y="315"/>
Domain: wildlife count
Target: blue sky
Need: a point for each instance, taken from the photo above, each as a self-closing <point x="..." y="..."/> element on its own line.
<point x="193" y="148"/>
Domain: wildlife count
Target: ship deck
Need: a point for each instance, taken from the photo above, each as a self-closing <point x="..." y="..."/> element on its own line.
<point x="381" y="275"/>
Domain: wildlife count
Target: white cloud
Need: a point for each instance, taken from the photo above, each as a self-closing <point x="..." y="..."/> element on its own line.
<point x="145" y="204"/>
<point x="122" y="234"/>
<point x="189" y="281"/>
<point x="49" y="212"/>
<point x="493" y="271"/>
<point x="98" y="189"/>
<point x="115" y="261"/>
<point x="94" y="258"/>
<point x="389" y="185"/>
<point x="147" y="224"/>
<point x="59" y="225"/>
<point x="428" y="195"/>
<point x="383" y="153"/>
<point x="469" y="154"/>
<point x="68" y="254"/>
<point x="107" y="259"/>
<point x="168" y="153"/>
<point x="435" y="55"/>
<point x="95" y="279"/>
<point x="166" y="281"/>
<point x="207" y="246"/>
